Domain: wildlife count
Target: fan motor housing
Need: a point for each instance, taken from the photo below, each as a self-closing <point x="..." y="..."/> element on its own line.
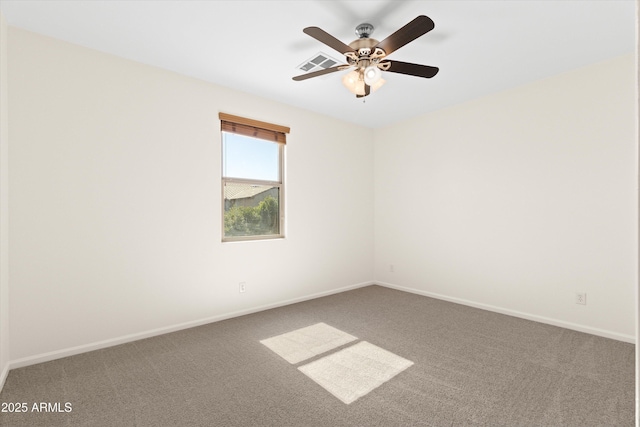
<point x="363" y="44"/>
<point x="366" y="48"/>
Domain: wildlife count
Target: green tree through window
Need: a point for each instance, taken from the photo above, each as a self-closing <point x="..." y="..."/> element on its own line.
<point x="252" y="220"/>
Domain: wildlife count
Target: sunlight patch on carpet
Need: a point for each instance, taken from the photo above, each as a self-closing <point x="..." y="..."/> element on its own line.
<point x="353" y="372"/>
<point x="305" y="343"/>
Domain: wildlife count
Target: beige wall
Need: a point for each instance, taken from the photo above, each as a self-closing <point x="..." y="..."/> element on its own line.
<point x="638" y="246"/>
<point x="115" y="202"/>
<point x="516" y="201"/>
<point x="4" y="209"/>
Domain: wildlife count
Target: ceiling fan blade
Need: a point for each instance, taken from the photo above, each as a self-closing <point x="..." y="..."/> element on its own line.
<point x="321" y="72"/>
<point x="411" y="69"/>
<point x="414" y="29"/>
<point x="328" y="39"/>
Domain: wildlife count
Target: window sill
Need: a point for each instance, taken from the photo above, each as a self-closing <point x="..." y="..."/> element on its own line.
<point x="252" y="239"/>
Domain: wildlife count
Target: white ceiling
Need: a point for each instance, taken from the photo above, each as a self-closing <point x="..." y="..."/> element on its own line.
<point x="255" y="46"/>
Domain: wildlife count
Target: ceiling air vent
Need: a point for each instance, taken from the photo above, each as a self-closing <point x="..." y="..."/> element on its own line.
<point x="317" y="62"/>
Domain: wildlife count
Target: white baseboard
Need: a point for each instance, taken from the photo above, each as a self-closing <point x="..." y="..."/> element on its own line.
<point x="568" y="325"/>
<point x="58" y="354"/>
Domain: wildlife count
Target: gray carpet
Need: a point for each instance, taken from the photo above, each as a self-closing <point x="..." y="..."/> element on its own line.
<point x="471" y="368"/>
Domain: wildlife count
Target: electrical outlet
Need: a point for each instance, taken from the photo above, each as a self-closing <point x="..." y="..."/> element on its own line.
<point x="242" y="286"/>
<point x="392" y="268"/>
<point x="581" y="298"/>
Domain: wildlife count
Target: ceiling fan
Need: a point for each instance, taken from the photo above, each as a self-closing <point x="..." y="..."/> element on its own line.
<point x="368" y="56"/>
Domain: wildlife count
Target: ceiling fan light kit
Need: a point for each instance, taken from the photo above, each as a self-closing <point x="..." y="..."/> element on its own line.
<point x="356" y="82"/>
<point x="372" y="75"/>
<point x="367" y="56"/>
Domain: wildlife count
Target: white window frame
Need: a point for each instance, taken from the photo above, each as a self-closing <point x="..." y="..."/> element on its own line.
<point x="278" y="184"/>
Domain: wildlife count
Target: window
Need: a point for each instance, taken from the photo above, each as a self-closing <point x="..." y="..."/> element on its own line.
<point x="252" y="178"/>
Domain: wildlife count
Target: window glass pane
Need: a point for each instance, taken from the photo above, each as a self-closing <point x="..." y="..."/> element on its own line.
<point x="251" y="209"/>
<point x="249" y="158"/>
